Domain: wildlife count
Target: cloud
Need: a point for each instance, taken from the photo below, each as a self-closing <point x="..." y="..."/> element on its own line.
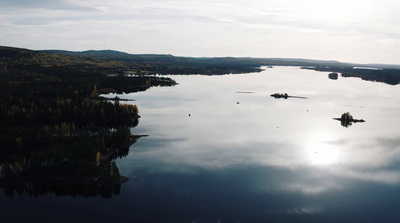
<point x="209" y="28"/>
<point x="42" y="4"/>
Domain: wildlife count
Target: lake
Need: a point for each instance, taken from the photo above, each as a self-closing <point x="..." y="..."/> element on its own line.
<point x="221" y="149"/>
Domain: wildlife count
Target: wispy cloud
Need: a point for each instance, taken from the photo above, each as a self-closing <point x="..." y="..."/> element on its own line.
<point x="43" y="4"/>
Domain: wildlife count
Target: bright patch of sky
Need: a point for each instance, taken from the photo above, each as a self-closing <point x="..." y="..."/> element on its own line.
<point x="364" y="31"/>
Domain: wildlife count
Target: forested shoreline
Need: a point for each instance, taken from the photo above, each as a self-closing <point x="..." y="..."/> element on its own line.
<point x="56" y="134"/>
<point x="387" y="76"/>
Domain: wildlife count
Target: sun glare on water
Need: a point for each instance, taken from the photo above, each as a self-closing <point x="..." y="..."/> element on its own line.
<point x="321" y="152"/>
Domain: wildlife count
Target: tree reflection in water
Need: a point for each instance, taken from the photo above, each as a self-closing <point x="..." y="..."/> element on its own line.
<point x="80" y="165"/>
<point x="64" y="159"/>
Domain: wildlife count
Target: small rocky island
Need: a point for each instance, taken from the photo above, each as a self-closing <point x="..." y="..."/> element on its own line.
<point x="285" y="96"/>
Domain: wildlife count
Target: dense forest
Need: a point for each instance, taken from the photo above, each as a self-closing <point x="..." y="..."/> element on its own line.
<point x="57" y="135"/>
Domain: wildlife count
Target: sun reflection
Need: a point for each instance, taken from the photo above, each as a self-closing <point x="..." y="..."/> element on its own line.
<point x="322" y="152"/>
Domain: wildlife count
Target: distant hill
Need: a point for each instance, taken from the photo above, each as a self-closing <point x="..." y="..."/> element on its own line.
<point x="119" y="62"/>
<point x="112" y="54"/>
<point x="98" y="53"/>
<point x="167" y="58"/>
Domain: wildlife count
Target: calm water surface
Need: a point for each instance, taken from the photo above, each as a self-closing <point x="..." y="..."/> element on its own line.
<point x="217" y="154"/>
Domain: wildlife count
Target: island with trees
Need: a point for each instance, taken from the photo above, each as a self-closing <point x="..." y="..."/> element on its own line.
<point x="346" y="119"/>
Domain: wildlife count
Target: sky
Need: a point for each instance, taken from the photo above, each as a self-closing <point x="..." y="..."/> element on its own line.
<point x="359" y="31"/>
